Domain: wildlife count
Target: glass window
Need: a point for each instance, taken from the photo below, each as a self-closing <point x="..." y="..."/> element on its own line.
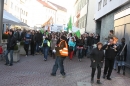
<point x="105" y="2"/>
<point x="99" y="5"/>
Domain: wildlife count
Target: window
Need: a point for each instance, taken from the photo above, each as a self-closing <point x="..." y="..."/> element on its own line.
<point x="99" y="5"/>
<point x="105" y="2"/>
<point x="5" y="1"/>
<point x="11" y="5"/>
<point x="26" y="14"/>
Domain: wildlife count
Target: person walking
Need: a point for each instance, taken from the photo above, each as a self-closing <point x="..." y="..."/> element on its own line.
<point x="59" y="57"/>
<point x="121" y="58"/>
<point x="97" y="59"/>
<point x="33" y="45"/>
<point x="27" y="41"/>
<point x="110" y="54"/>
<point x="71" y="48"/>
<point x="80" y="47"/>
<point x="53" y="43"/>
<point x="45" y="45"/>
<point x="11" y="42"/>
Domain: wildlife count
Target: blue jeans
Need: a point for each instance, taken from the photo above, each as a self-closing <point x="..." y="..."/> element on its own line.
<point x="45" y="52"/>
<point x="80" y="53"/>
<point x="58" y="64"/>
<point x="37" y="47"/>
<point x="115" y="64"/>
<point x="11" y="56"/>
<point x="89" y="49"/>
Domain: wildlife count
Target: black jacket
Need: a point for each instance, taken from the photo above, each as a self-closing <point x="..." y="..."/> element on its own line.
<point x="90" y="41"/>
<point x="98" y="56"/>
<point x="11" y="42"/>
<point x="38" y="38"/>
<point x="110" y="53"/>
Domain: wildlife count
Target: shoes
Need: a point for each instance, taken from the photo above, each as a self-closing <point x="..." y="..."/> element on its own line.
<point x="26" y="55"/>
<point x="92" y="80"/>
<point x="53" y="74"/>
<point x="118" y="72"/>
<point x="11" y="65"/>
<point x="109" y="79"/>
<point x="45" y="60"/>
<point x="80" y="60"/>
<point x="6" y="64"/>
<point x="104" y="76"/>
<point x="63" y="76"/>
<point x="98" y="82"/>
<point x="123" y="73"/>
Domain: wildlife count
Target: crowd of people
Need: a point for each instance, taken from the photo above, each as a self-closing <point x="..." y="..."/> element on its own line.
<point x="60" y="45"/>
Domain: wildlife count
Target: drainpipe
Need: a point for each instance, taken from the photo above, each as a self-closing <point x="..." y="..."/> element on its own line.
<point x="86" y="15"/>
<point x="1" y="18"/>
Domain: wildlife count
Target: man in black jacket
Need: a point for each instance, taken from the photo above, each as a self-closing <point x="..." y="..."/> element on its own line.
<point x="90" y="42"/>
<point x="110" y="54"/>
<point x="10" y="48"/>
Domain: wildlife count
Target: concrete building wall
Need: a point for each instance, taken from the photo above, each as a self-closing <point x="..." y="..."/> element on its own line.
<point x="110" y="6"/>
<point x="91" y="24"/>
<point x="107" y="22"/>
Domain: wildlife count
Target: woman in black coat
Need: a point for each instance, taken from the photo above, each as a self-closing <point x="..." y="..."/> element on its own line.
<point x="97" y="58"/>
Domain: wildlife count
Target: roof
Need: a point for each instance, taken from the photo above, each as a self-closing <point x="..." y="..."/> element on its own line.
<point x="59" y="7"/>
<point x="46" y="4"/>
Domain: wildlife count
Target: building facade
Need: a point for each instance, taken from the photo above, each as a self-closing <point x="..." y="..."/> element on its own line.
<point x="114" y="15"/>
<point x="84" y="15"/>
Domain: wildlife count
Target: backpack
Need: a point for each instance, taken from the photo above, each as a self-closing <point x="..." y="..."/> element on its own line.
<point x="45" y="43"/>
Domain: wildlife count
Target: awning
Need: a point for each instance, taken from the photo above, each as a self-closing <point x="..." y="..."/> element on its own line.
<point x="10" y="19"/>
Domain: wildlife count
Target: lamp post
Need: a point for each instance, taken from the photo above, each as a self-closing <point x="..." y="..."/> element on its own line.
<point x="1" y="18"/>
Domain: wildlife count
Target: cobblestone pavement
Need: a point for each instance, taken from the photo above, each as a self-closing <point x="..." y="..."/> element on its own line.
<point x="33" y="71"/>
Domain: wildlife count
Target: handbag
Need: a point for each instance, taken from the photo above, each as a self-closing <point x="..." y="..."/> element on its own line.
<point x="64" y="51"/>
<point x="119" y="57"/>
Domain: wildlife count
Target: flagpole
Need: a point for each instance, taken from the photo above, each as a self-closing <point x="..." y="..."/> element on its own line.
<point x="1" y="18"/>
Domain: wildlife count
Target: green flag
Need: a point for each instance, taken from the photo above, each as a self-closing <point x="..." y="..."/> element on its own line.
<point x="78" y="33"/>
<point x="69" y="25"/>
<point x="42" y="31"/>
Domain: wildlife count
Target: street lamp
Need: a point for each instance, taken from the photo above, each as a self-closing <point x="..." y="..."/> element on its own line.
<point x="1" y="18"/>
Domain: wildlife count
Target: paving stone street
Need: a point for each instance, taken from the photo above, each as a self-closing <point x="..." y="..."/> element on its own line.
<point x="33" y="71"/>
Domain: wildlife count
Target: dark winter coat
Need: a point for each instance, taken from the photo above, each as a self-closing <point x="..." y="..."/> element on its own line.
<point x="110" y="53"/>
<point x="11" y="42"/>
<point x="98" y="56"/>
<point x="123" y="55"/>
<point x="38" y="38"/>
<point x="90" y="41"/>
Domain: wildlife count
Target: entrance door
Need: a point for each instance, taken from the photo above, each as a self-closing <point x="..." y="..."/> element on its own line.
<point x="127" y="37"/>
<point x="119" y="32"/>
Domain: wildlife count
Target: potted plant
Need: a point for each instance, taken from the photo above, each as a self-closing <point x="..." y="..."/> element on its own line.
<point x="22" y="51"/>
<point x="4" y="37"/>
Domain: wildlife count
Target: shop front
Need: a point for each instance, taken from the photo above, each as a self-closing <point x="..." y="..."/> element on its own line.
<point x="122" y="29"/>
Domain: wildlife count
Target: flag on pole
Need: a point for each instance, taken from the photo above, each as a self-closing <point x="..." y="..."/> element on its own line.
<point x="69" y="25"/>
<point x="78" y="33"/>
<point x="42" y="31"/>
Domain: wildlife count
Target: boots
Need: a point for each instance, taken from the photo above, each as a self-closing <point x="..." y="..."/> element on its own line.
<point x="98" y="82"/>
<point x="123" y="70"/>
<point x="119" y="68"/>
<point x="92" y="80"/>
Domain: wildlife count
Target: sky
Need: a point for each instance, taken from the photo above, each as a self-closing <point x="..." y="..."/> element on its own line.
<point x="68" y="4"/>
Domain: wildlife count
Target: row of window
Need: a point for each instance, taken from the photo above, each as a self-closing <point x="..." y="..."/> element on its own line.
<point x="19" y="9"/>
<point x="82" y="22"/>
<point x="80" y="5"/>
<point x="23" y="20"/>
<point x="100" y="4"/>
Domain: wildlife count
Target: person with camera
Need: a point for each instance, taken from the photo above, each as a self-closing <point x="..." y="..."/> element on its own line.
<point x="110" y="54"/>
